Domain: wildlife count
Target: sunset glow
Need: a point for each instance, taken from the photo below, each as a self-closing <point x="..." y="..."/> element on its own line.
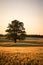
<point x="30" y="12"/>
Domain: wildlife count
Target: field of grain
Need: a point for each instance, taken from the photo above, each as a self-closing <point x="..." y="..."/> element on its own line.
<point x="21" y="55"/>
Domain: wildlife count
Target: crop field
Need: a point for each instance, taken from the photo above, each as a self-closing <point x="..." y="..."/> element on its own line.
<point x="21" y="55"/>
<point x="27" y="52"/>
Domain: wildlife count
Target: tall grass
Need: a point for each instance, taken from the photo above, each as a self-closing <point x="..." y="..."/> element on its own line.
<point x="20" y="59"/>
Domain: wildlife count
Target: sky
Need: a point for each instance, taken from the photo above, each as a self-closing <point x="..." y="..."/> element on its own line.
<point x="30" y="12"/>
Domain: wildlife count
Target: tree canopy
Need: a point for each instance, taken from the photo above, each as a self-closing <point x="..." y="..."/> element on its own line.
<point x="16" y="30"/>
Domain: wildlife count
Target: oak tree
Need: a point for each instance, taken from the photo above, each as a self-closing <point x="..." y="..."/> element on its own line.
<point x="16" y="30"/>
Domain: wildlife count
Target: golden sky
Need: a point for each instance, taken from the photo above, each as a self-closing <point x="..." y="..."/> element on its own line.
<point x="30" y="12"/>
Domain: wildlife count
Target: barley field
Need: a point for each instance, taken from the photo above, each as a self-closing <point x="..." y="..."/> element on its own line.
<point x="21" y="55"/>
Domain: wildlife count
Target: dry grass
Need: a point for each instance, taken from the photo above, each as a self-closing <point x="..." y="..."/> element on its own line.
<point x="33" y="56"/>
<point x="20" y="59"/>
<point x="21" y="55"/>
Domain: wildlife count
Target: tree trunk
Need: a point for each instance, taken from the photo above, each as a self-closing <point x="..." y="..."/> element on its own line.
<point x="15" y="40"/>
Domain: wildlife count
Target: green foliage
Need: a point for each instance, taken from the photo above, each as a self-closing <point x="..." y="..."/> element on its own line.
<point x="16" y="30"/>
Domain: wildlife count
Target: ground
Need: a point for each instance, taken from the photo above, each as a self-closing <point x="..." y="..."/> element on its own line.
<point x="21" y="55"/>
<point x="14" y="54"/>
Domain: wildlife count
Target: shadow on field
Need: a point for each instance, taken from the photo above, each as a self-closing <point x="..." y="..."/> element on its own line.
<point x="19" y="44"/>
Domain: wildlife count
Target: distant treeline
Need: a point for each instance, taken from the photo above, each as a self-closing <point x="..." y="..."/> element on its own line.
<point x="38" y="36"/>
